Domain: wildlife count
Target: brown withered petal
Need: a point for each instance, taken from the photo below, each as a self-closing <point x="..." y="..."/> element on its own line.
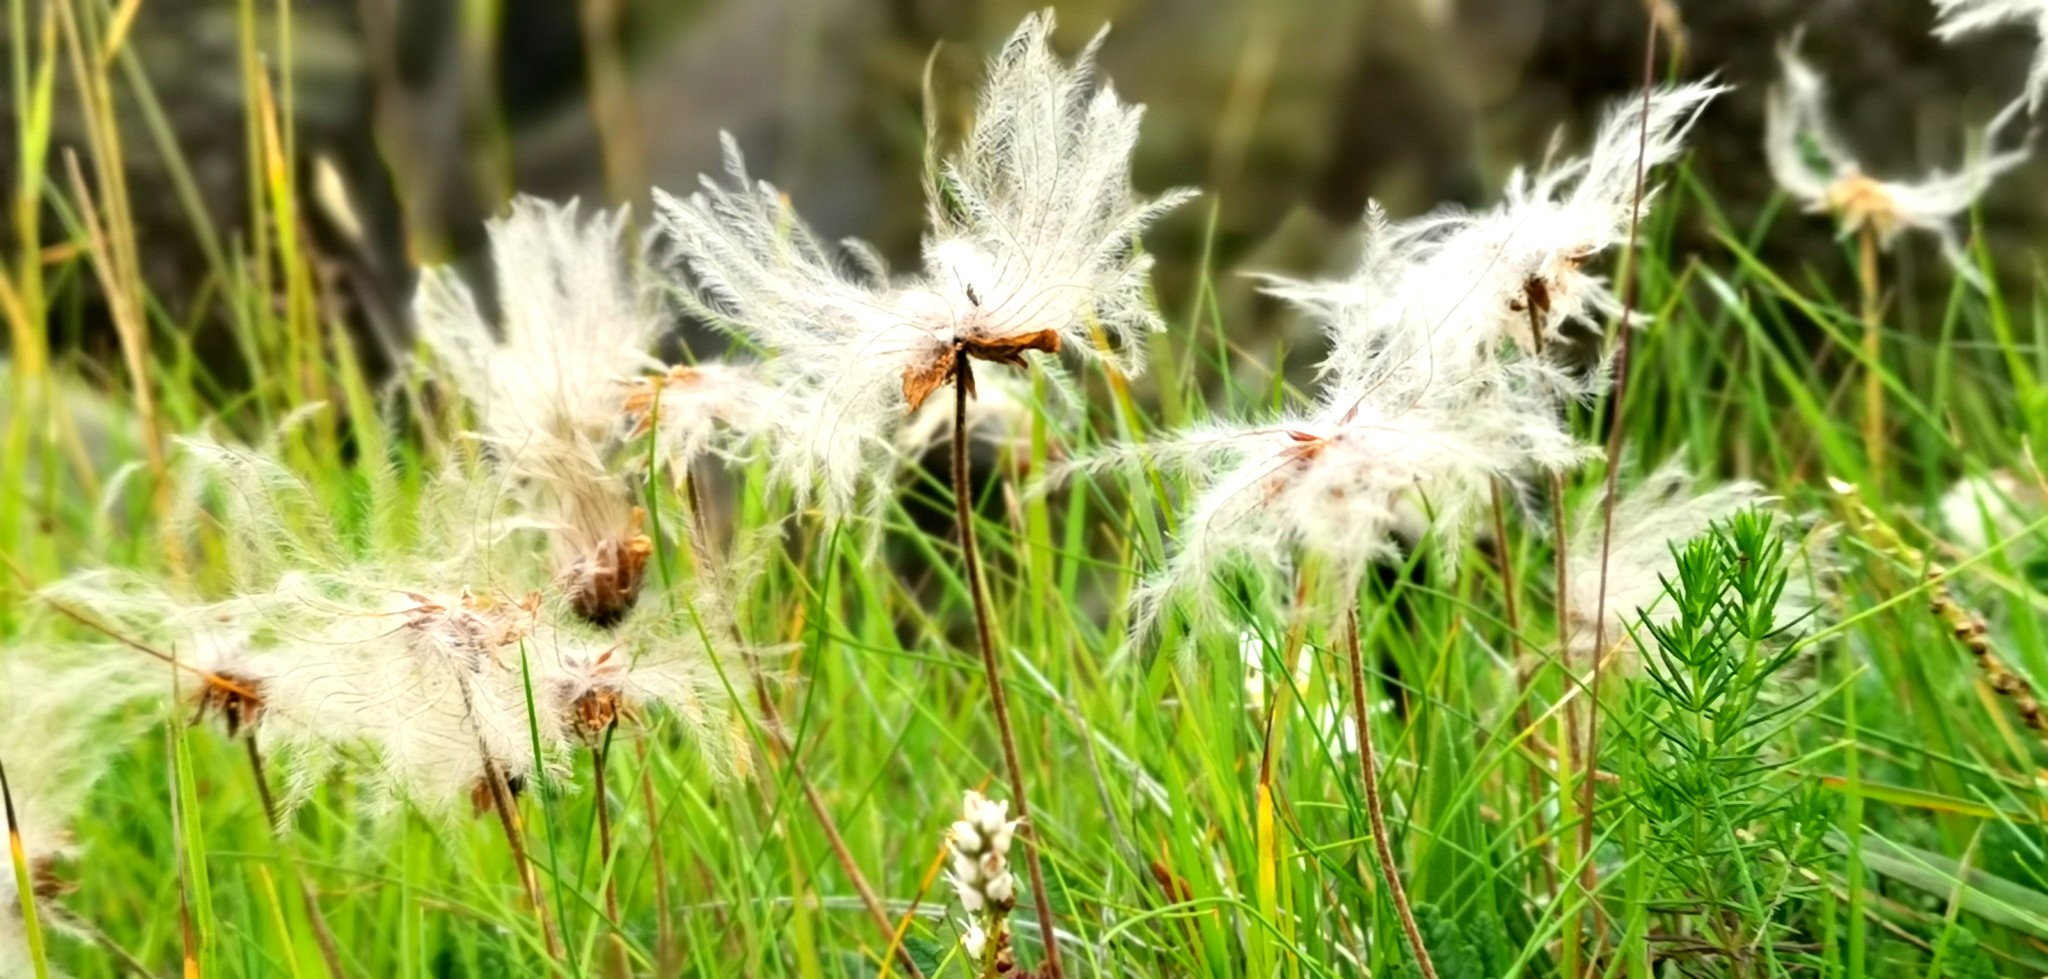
<point x="594" y="713"/>
<point x="1011" y="350"/>
<point x="919" y="381"/>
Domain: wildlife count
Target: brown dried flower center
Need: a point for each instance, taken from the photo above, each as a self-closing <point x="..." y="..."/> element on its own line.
<point x="237" y="699"/>
<point x="921" y="379"/>
<point x="1860" y="202"/>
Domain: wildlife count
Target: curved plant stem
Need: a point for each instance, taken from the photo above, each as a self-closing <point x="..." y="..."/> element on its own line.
<point x="600" y="757"/>
<point x="1511" y="605"/>
<point x="1589" y="876"/>
<point x="963" y="507"/>
<point x="507" y="806"/>
<point x="322" y="935"/>
<point x="1368" y="762"/>
<point x="771" y="718"/>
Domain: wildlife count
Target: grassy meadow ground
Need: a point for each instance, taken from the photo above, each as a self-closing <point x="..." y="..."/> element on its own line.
<point x="1866" y="802"/>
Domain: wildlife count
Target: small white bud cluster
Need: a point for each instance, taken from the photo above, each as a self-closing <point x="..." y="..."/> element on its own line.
<point x="980" y="845"/>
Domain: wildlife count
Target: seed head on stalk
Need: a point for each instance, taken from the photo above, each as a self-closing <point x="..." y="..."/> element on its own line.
<point x="1033" y="247"/>
<point x="1813" y="164"/>
<point x="577" y="317"/>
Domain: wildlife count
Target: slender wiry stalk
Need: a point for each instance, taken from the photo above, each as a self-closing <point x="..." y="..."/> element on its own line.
<point x="1589" y="876"/>
<point x="963" y="508"/>
<point x="1873" y="352"/>
<point x="664" y="931"/>
<point x="1511" y="604"/>
<point x="600" y="755"/>
<point x="322" y="935"/>
<point x="24" y="887"/>
<point x="771" y="721"/>
<point x="515" y="838"/>
<point x="1368" y="763"/>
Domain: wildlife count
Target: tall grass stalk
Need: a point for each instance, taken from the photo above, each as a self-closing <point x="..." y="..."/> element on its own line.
<point x="1631" y="292"/>
<point x="600" y="754"/>
<point x="24" y="880"/>
<point x="991" y="665"/>
<point x="1375" y="809"/>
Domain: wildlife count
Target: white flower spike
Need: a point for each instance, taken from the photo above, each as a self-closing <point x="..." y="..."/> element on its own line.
<point x="978" y="845"/>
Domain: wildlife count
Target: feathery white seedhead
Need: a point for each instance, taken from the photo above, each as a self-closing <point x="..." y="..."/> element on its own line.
<point x="978" y="847"/>
<point x="838" y="337"/>
<point x="1651" y="520"/>
<point x="1033" y="247"/>
<point x="1981" y="512"/>
<point x="1520" y="271"/>
<point x="1035" y="227"/>
<point x="61" y="719"/>
<point x="426" y="686"/>
<point x="1343" y="483"/>
<point x="585" y="688"/>
<point x="692" y="408"/>
<point x="577" y="317"/>
<point x="1810" y="160"/>
<point x="1958" y="18"/>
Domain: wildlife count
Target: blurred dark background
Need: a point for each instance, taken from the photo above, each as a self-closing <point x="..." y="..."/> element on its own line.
<point x="414" y="118"/>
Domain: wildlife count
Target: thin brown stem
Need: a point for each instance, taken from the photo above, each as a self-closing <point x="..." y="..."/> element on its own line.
<point x="771" y="721"/>
<point x="507" y="806"/>
<point x="1589" y="875"/>
<point x="665" y="936"/>
<point x="322" y="935"/>
<point x="1368" y="763"/>
<point x="600" y="756"/>
<point x="963" y="508"/>
<point x="1511" y="603"/>
<point x="1574" y="926"/>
